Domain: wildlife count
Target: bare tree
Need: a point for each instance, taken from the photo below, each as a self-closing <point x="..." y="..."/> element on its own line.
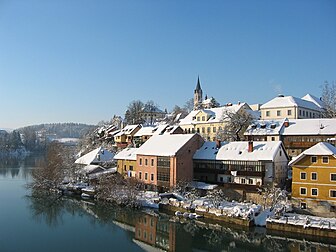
<point x="235" y="125"/>
<point x="189" y="105"/>
<point x="329" y="99"/>
<point x="50" y="173"/>
<point x="133" y="112"/>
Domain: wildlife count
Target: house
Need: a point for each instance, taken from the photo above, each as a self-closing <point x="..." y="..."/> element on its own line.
<point x="243" y="165"/>
<point x="164" y="160"/>
<point x="314" y="177"/>
<point x="297" y="135"/>
<point x="125" y="136"/>
<point x="146" y="132"/>
<point x="292" y="108"/>
<point x="126" y="162"/>
<point x="96" y="157"/>
<point x="208" y="122"/>
<point x="151" y="114"/>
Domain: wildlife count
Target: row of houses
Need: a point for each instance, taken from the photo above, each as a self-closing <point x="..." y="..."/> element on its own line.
<point x="164" y="160"/>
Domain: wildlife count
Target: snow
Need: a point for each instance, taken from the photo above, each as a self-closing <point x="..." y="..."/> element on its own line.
<point x="289" y="101"/>
<point x="314" y="99"/>
<point x="89" y="169"/>
<point x="239" y="151"/>
<point x="322" y="148"/>
<point x="305" y="221"/>
<point x="164" y="145"/>
<point x="126" y="154"/>
<point x="265" y="127"/>
<point x="99" y="155"/>
<point x="216" y="114"/>
<point x="67" y="140"/>
<point x="128" y="130"/>
<point x="202" y="185"/>
<point x="316" y="126"/>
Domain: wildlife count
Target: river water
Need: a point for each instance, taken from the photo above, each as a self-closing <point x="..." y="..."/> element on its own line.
<point x="49" y="223"/>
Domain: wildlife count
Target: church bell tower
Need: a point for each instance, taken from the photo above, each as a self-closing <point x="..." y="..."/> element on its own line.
<point x="198" y="95"/>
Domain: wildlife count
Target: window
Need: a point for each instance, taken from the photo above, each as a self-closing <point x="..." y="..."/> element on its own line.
<point x="152" y="162"/>
<point x="203" y="118"/>
<point x="250" y="181"/>
<point x="214" y="129"/>
<point x="332" y="193"/>
<point x="314" y="191"/>
<point x="314" y="159"/>
<point x="289" y="112"/>
<point x="198" y="118"/>
<point x="325" y="160"/>
<point x="303" y="191"/>
<point x="333" y="177"/>
<point x="203" y="130"/>
<point x="131" y="167"/>
<point x="273" y="139"/>
<point x="146" y="175"/>
<point x="242" y="181"/>
<point x="278" y="112"/>
<point x="303" y="205"/>
<point x="303" y="175"/>
<point x="313" y="176"/>
<point x="299" y="112"/>
<point x="125" y="167"/>
<point x="140" y="175"/>
<point x="268" y="113"/>
<point x="208" y="130"/>
<point x="140" y="161"/>
<point x="146" y="161"/>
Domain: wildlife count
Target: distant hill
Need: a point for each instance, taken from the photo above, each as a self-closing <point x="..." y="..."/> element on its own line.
<point x="60" y="130"/>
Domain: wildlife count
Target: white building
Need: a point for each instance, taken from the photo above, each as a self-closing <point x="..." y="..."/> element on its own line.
<point x="247" y="164"/>
<point x="292" y="108"/>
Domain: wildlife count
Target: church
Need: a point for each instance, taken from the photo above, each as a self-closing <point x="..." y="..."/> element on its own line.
<point x="199" y="103"/>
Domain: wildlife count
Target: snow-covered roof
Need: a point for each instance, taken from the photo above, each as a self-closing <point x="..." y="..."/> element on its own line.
<point x="319" y="149"/>
<point x="262" y="151"/>
<point x="297" y="127"/>
<point x="314" y="99"/>
<point x="265" y="127"/>
<point x="215" y="114"/>
<point x="126" y="154"/>
<point x="164" y="145"/>
<point x="208" y="151"/>
<point x="98" y="155"/>
<point x="289" y="101"/>
<point x="92" y="169"/>
<point x="145" y="131"/>
<point x="127" y="130"/>
<point x="316" y="126"/>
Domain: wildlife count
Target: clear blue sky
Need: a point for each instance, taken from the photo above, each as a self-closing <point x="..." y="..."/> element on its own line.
<point x="85" y="60"/>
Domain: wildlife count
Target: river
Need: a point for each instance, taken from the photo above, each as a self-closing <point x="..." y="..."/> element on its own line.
<point x="49" y="223"/>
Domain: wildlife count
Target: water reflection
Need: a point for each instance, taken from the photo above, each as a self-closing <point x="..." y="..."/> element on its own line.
<point x="153" y="231"/>
<point x="18" y="168"/>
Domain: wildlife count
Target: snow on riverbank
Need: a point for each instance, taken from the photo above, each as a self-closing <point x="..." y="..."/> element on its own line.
<point x="305" y="221"/>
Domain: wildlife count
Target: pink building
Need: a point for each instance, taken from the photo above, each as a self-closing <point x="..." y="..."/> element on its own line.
<point x="164" y="160"/>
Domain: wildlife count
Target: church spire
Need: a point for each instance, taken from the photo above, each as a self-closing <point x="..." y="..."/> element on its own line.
<point x="198" y="86"/>
<point x="198" y="95"/>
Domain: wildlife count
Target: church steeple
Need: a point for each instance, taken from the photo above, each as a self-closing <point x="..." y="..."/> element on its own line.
<point x="198" y="95"/>
<point x="198" y="86"/>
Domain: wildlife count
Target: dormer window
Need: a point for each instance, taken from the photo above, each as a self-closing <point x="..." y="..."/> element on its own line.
<point x="254" y="126"/>
<point x="273" y="126"/>
<point x="262" y="126"/>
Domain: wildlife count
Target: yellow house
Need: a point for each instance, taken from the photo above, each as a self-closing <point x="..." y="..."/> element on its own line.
<point x="314" y="177"/>
<point x="126" y="162"/>
<point x="208" y="122"/>
<point x="125" y="136"/>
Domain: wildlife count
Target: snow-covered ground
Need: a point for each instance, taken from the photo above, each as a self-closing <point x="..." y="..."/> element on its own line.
<point x="305" y="221"/>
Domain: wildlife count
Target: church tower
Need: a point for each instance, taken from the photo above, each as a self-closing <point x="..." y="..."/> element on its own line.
<point x="198" y="95"/>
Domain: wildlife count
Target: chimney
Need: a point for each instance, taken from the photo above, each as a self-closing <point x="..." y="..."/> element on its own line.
<point x="250" y="146"/>
<point x="286" y="123"/>
<point x="218" y="144"/>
